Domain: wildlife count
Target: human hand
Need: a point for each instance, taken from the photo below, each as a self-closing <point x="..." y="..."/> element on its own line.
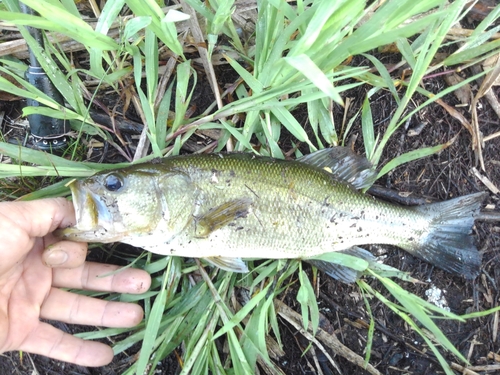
<point x="34" y="265"/>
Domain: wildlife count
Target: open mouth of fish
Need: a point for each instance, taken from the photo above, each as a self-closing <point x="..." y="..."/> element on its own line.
<point x="94" y="220"/>
<point x="90" y="210"/>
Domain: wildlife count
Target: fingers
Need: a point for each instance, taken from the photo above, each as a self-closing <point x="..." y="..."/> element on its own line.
<point x="51" y="342"/>
<point x="23" y="223"/>
<point x="73" y="308"/>
<point x="102" y="277"/>
<point x="66" y="254"/>
<point x="40" y="217"/>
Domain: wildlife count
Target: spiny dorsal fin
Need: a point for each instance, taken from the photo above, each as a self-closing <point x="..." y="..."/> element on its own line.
<point x="344" y="164"/>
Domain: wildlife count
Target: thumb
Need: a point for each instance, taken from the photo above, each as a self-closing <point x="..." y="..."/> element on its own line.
<point x="40" y="217"/>
<point x="66" y="254"/>
<point x="23" y="224"/>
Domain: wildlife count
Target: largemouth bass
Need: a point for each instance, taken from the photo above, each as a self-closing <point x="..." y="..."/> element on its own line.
<point x="225" y="207"/>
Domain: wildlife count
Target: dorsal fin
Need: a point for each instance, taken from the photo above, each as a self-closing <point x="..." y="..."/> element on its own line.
<point x="344" y="164"/>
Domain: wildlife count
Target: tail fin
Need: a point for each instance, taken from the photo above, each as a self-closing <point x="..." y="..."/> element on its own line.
<point x="449" y="244"/>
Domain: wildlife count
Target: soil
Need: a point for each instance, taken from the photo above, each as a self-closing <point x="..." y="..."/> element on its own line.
<point x="397" y="349"/>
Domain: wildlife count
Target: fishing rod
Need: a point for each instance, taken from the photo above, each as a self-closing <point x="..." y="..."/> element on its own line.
<point x="48" y="133"/>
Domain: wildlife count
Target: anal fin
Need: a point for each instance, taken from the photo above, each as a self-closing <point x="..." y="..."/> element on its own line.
<point x="228" y="264"/>
<point x="348" y="275"/>
<point x="343" y="272"/>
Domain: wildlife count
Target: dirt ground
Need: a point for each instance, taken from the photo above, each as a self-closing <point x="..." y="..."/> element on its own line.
<point x="396" y="349"/>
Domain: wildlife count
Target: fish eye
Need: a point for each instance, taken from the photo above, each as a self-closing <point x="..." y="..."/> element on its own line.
<point x="113" y="182"/>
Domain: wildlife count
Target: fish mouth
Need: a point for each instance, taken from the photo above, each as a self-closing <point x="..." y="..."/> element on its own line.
<point x="94" y="221"/>
<point x="86" y="212"/>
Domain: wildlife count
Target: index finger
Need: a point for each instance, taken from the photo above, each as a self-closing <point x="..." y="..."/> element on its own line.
<point x="40" y="217"/>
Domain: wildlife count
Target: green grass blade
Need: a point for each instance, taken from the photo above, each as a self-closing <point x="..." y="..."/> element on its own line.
<point x="49" y="162"/>
<point x="250" y="80"/>
<point x="271" y="134"/>
<point x="410" y="156"/>
<point x="480" y="314"/>
<point x="182" y="97"/>
<point x="309" y="69"/>
<point x="412" y="324"/>
<point x="153" y="323"/>
<point x="109" y="14"/>
<point x="162" y="118"/>
<point x="367" y="125"/>
<point x="384" y="74"/>
<point x="292" y="125"/>
<point x="407" y="51"/>
<point x="197" y="355"/>
<point x="221" y="17"/>
<point x="256" y="330"/>
<point x="240" y="315"/>
<point x="58" y="189"/>
<point x="418" y="308"/>
<point x="151" y="64"/>
<point x="308" y="303"/>
<point x="56" y="18"/>
<point x="342" y="259"/>
<point x="471" y="53"/>
<point x="70" y="6"/>
<point x="436" y="29"/>
<point x="57" y="77"/>
<point x="371" y="329"/>
<point x="134" y="26"/>
<point x="161" y="25"/>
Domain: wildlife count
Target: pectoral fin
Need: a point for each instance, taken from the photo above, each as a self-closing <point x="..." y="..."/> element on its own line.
<point x="221" y="216"/>
<point x="229" y="264"/>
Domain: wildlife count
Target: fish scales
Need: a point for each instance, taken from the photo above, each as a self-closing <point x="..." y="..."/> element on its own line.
<point x="297" y="211"/>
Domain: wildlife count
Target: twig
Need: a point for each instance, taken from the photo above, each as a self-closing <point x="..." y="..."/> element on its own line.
<point x="491" y="136"/>
<point x="495" y="327"/>
<point x="199" y="40"/>
<point x="456" y="33"/>
<point x="316" y="361"/>
<point x="143" y="144"/>
<point x="485" y="180"/>
<point x="165" y="78"/>
<point x="329" y="340"/>
<point x="95" y="8"/>
<point x="487" y="216"/>
<point x="472" y="369"/>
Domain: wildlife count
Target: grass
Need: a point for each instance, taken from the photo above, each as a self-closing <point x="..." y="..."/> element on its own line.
<point x="296" y="56"/>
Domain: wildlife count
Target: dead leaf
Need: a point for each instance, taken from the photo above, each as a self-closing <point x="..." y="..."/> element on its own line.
<point x="7" y="96"/>
<point x="464" y="92"/>
<point x="456" y="114"/>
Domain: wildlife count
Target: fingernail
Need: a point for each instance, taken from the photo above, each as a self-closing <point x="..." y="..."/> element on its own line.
<point x="56" y="258"/>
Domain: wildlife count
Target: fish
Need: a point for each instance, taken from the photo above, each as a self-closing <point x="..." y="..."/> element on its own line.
<point x="227" y="208"/>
